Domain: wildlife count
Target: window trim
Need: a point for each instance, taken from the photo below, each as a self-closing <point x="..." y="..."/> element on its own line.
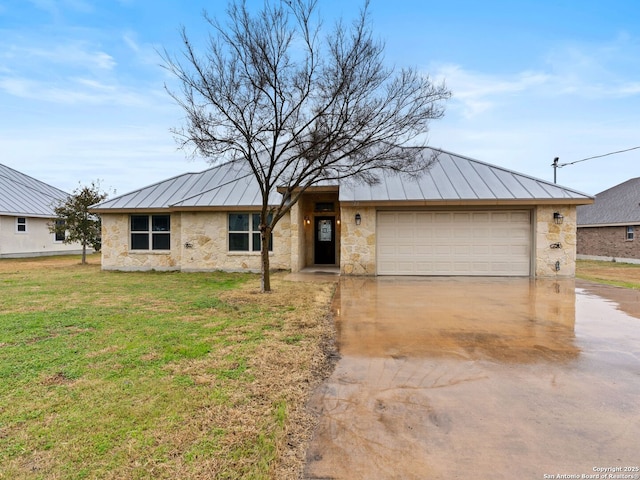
<point x="150" y="233"/>
<point x="630" y="233"/>
<point x="250" y="232"/>
<point x="23" y="224"/>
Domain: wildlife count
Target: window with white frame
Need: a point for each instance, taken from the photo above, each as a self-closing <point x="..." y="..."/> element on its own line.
<point x="630" y="233"/>
<point x="150" y="232"/>
<point x="244" y="232"/>
<point x="21" y="225"/>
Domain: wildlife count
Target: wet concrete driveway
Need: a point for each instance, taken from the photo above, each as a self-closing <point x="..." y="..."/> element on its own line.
<point x="480" y="378"/>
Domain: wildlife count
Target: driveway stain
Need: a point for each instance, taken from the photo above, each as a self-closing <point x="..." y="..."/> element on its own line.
<point x="445" y="378"/>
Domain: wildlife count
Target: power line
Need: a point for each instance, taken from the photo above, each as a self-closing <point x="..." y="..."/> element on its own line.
<point x="597" y="156"/>
<point x="557" y="165"/>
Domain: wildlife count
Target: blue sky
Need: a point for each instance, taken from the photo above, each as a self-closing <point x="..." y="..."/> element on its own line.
<point x="82" y="92"/>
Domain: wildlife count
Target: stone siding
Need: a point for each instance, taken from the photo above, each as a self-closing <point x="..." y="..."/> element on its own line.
<point x="547" y="232"/>
<point x="207" y="232"/>
<point x="609" y="242"/>
<point x="198" y="243"/>
<point x="116" y="254"/>
<point x="358" y="242"/>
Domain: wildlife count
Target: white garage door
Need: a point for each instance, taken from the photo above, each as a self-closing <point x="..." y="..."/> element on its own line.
<point x="454" y="243"/>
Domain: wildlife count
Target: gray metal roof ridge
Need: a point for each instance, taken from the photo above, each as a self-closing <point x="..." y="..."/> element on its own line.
<point x="97" y="205"/>
<point x="506" y="170"/>
<point x="218" y="186"/>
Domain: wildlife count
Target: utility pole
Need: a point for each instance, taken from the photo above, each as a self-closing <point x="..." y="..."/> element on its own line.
<point x="555" y="169"/>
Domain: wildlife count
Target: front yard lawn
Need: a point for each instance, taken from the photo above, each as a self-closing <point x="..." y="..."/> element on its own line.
<point x="611" y="273"/>
<point x="113" y="375"/>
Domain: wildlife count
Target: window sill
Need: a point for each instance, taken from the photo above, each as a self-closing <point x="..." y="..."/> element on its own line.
<point x="150" y="252"/>
<point x="244" y="254"/>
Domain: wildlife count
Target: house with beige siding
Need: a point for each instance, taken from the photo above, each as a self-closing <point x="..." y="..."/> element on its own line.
<point x="461" y="217"/>
<point x="26" y="210"/>
<point x="609" y="229"/>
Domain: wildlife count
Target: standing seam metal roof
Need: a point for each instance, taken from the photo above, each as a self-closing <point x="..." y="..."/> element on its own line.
<point x="21" y="194"/>
<point x="454" y="177"/>
<point x="451" y="177"/>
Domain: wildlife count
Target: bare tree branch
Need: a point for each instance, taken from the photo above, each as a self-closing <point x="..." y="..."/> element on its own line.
<point x="298" y="107"/>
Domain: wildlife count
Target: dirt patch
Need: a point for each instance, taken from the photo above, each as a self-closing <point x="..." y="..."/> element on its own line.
<point x="59" y="378"/>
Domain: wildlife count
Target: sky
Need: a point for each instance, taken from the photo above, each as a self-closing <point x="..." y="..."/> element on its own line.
<point x="83" y="94"/>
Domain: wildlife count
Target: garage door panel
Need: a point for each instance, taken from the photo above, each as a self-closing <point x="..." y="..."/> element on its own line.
<point x="454" y="243"/>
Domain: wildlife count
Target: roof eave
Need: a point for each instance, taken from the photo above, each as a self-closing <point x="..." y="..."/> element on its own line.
<point x="617" y="224"/>
<point x="477" y="202"/>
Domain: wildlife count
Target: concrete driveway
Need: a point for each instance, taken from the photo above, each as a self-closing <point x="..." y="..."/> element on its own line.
<point x="487" y="378"/>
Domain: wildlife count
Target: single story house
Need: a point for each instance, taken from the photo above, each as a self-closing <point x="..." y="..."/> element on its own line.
<point x="26" y="210"/>
<point x="609" y="228"/>
<point x="461" y="217"/>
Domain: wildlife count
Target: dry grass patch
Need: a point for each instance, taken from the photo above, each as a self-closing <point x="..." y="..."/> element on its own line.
<point x="611" y="273"/>
<point x="156" y="375"/>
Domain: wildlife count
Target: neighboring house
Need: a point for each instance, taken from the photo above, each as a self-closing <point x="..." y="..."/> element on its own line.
<point x="610" y="228"/>
<point x="26" y="210"/>
<point x="462" y="217"/>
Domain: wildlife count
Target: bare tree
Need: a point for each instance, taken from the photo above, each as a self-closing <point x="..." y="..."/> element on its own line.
<point x="297" y="107"/>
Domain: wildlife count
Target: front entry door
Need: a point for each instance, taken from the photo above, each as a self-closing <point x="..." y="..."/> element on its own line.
<point x="325" y="241"/>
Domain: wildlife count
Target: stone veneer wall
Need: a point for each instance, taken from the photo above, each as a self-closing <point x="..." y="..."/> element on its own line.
<point x="206" y="232"/>
<point x="358" y="242"/>
<point x="547" y="232"/>
<point x="115" y="247"/>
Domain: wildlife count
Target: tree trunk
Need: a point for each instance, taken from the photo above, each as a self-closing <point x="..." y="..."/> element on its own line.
<point x="265" y="282"/>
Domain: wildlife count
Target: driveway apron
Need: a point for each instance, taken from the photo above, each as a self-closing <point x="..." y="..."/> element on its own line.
<point x="488" y="378"/>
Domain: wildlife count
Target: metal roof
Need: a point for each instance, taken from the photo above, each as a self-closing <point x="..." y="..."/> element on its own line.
<point x="619" y="205"/>
<point x="456" y="178"/>
<point x="225" y="185"/>
<point x="21" y="194"/>
<point x="450" y="178"/>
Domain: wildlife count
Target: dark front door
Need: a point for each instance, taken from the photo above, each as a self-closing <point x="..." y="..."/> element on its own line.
<point x="325" y="241"/>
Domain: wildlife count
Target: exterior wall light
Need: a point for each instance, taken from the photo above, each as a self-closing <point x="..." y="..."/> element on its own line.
<point x="307" y="220"/>
<point x="358" y="219"/>
<point x="338" y="221"/>
<point x="558" y="217"/>
<point x="558" y="266"/>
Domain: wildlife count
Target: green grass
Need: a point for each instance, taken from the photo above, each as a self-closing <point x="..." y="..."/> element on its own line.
<point x="139" y="375"/>
<point x="619" y="274"/>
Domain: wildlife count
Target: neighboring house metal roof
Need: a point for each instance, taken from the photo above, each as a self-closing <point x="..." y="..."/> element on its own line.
<point x="22" y="195"/>
<point x="451" y="178"/>
<point x="619" y="205"/>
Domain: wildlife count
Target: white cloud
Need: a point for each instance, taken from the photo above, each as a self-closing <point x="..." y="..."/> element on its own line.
<point x="477" y="93"/>
<point x="588" y="72"/>
<point x="76" y="54"/>
<point x="55" y="7"/>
